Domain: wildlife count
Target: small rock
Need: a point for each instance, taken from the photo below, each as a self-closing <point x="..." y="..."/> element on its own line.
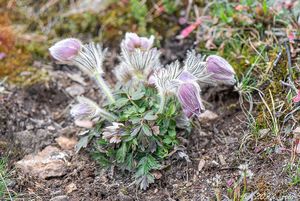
<point x="66" y="143"/>
<point x="77" y="78"/>
<point x="60" y="198"/>
<point x="50" y="162"/>
<point x="84" y="123"/>
<point x="51" y="128"/>
<point x="222" y="160"/>
<point x="157" y="174"/>
<point x="75" y="90"/>
<point x="201" y="165"/>
<point x="70" y="188"/>
<point x="263" y="132"/>
<point x="207" y="116"/>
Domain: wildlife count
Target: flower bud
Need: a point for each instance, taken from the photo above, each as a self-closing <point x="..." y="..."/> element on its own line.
<point x="113" y="133"/>
<point x="85" y="109"/>
<point x="66" y="49"/>
<point x="186" y="76"/>
<point x="220" y="69"/>
<point x="133" y="41"/>
<point x="189" y="97"/>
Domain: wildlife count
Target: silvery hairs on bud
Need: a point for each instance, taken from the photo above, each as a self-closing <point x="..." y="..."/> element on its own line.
<point x="90" y="59"/>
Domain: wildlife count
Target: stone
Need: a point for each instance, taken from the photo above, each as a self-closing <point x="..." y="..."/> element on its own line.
<point x="75" y="90"/>
<point x="208" y="116"/>
<point x="60" y="198"/>
<point x="66" y="143"/>
<point x="263" y="132"/>
<point x="50" y="162"/>
<point x="84" y="123"/>
<point x="32" y="141"/>
<point x="70" y="188"/>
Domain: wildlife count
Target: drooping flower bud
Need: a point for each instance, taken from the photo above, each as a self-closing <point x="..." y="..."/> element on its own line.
<point x="113" y="133"/>
<point x="66" y="49"/>
<point x="133" y="41"/>
<point x="186" y="76"/>
<point x="189" y="97"/>
<point x="87" y="109"/>
<point x="220" y="70"/>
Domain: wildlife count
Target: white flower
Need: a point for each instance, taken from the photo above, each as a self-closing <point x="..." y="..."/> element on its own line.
<point x="141" y="63"/>
<point x="132" y="42"/>
<point x="138" y="57"/>
<point x="245" y="171"/>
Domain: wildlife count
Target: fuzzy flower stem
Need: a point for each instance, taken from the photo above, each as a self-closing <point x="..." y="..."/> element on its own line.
<point x="162" y="104"/>
<point x="105" y="88"/>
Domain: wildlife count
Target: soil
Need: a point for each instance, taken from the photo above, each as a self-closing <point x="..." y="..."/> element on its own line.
<point x="31" y="118"/>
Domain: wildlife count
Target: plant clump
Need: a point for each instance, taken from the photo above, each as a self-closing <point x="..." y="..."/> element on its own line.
<point x="151" y="105"/>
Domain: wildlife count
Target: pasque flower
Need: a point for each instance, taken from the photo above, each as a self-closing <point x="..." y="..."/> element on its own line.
<point x="133" y="41"/>
<point x="189" y="96"/>
<point x="220" y="69"/>
<point x="89" y="58"/>
<point x="113" y="133"/>
<point x="88" y="109"/>
<point x="65" y="50"/>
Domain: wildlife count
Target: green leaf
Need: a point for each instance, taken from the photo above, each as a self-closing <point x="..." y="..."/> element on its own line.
<point x="172" y="133"/>
<point x="82" y="143"/>
<point x="142" y="109"/>
<point x="121" y="102"/>
<point x="146" y="129"/>
<point x="135" y="120"/>
<point x="102" y="159"/>
<point x="135" y="131"/>
<point x="137" y="95"/>
<point x="168" y="140"/>
<point x="171" y="110"/>
<point x="150" y="116"/>
<point x="121" y="153"/>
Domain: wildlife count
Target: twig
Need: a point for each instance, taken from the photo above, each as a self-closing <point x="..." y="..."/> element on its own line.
<point x="288" y="53"/>
<point x="188" y="10"/>
<point x="277" y="58"/>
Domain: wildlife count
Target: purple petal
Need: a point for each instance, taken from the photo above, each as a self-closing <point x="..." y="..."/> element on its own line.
<point x="189" y="97"/>
<point x="66" y="49"/>
<point x="146" y="43"/>
<point x="220" y="69"/>
<point x="185" y="76"/>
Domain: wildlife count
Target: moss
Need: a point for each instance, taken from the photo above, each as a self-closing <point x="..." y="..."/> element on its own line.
<point x="17" y="63"/>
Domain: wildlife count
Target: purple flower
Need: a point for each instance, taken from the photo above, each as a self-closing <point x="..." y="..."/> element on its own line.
<point x="85" y="109"/>
<point x="113" y="133"/>
<point x="133" y="41"/>
<point x="189" y="97"/>
<point x="220" y="69"/>
<point x="186" y="76"/>
<point x="66" y="49"/>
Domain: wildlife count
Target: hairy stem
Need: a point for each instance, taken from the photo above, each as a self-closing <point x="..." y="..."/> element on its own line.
<point x="105" y="88"/>
<point x="162" y="104"/>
